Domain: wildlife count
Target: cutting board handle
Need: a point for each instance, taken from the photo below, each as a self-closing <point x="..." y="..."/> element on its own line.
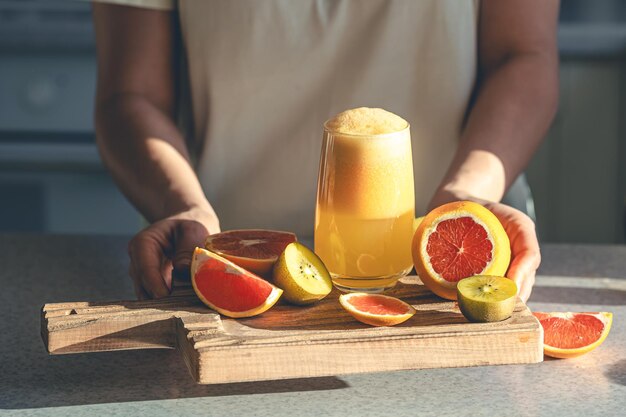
<point x="120" y="325"/>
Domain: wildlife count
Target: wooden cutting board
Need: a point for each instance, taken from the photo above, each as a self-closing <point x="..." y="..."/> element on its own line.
<point x="293" y="342"/>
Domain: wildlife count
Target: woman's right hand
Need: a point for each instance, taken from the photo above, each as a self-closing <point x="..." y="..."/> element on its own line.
<point x="165" y="248"/>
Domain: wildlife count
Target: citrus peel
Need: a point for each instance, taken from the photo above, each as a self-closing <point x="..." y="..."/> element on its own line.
<point x="376" y="309"/>
<point x="567" y="335"/>
<point x="253" y="249"/>
<point x="458" y="240"/>
<point x="229" y="289"/>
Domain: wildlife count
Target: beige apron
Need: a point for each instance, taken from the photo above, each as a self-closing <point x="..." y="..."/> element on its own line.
<point x="264" y="75"/>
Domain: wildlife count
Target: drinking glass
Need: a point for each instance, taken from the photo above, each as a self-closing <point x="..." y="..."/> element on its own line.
<point x="365" y="208"/>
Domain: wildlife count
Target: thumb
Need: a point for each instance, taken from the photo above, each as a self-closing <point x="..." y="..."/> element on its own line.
<point x="522" y="271"/>
<point x="189" y="234"/>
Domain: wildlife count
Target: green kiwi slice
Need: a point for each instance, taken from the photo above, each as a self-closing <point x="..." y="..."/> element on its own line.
<point x="486" y="298"/>
<point x="302" y="275"/>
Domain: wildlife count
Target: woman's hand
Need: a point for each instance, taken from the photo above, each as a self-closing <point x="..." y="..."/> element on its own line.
<point x="165" y="248"/>
<point x="525" y="254"/>
<point x="141" y="145"/>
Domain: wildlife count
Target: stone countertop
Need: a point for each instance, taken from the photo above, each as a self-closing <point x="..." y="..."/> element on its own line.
<point x="38" y="269"/>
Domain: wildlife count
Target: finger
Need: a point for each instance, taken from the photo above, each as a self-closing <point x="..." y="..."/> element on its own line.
<point x="522" y="271"/>
<point x="524" y="279"/>
<point x="147" y="259"/>
<point x="189" y="235"/>
<point x="140" y="293"/>
<point x="525" y="252"/>
<point x="527" y="287"/>
<point x="166" y="272"/>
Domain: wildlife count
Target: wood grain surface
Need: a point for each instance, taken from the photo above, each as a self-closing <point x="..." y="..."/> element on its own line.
<point x="293" y="342"/>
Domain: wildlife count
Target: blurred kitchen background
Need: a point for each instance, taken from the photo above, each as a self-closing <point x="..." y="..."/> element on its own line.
<point x="52" y="180"/>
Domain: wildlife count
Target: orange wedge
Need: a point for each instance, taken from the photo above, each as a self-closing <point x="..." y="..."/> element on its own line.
<point x="229" y="289"/>
<point x="376" y="309"/>
<point x="567" y="335"/>
<point x="256" y="250"/>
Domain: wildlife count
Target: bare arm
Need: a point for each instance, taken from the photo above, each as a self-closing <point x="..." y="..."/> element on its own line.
<point x="141" y="145"/>
<point x="517" y="96"/>
<point x="516" y="99"/>
<point x="136" y="135"/>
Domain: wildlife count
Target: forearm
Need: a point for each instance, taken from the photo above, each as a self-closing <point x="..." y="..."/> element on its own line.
<point x="515" y="105"/>
<point x="147" y="157"/>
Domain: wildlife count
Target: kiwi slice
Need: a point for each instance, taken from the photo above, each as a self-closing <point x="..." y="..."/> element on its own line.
<point x="302" y="275"/>
<point x="486" y="298"/>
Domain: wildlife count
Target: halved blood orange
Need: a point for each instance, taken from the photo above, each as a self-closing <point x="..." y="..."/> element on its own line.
<point x="456" y="241"/>
<point x="229" y="289"/>
<point x="376" y="309"/>
<point x="256" y="250"/>
<point x="567" y="335"/>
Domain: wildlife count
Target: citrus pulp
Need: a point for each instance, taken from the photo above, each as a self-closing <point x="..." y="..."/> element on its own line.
<point x="567" y="335"/>
<point x="376" y="309"/>
<point x="456" y="241"/>
<point x="253" y="249"/>
<point x="229" y="289"/>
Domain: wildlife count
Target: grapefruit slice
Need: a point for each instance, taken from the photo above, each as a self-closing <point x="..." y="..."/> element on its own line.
<point x="376" y="309"/>
<point x="253" y="249"/>
<point x="567" y="335"/>
<point x="456" y="241"/>
<point x="229" y="289"/>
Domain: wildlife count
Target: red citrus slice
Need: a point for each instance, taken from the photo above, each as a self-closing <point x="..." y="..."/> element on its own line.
<point x="253" y="249"/>
<point x="229" y="289"/>
<point x="376" y="309"/>
<point x="567" y="335"/>
<point x="456" y="241"/>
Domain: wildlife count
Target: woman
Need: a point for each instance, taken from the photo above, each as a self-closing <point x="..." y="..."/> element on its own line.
<point x="214" y="108"/>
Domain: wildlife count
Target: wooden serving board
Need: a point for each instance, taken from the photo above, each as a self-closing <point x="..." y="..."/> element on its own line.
<point x="293" y="342"/>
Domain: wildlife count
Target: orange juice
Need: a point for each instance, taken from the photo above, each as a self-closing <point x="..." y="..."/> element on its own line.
<point x="365" y="200"/>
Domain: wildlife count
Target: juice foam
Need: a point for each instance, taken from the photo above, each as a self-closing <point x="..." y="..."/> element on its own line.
<point x="365" y="205"/>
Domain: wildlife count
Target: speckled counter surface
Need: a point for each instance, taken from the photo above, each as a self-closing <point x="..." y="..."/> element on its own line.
<point x="36" y="269"/>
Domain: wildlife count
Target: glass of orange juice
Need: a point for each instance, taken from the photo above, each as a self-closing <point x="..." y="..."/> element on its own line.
<point x="365" y="200"/>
